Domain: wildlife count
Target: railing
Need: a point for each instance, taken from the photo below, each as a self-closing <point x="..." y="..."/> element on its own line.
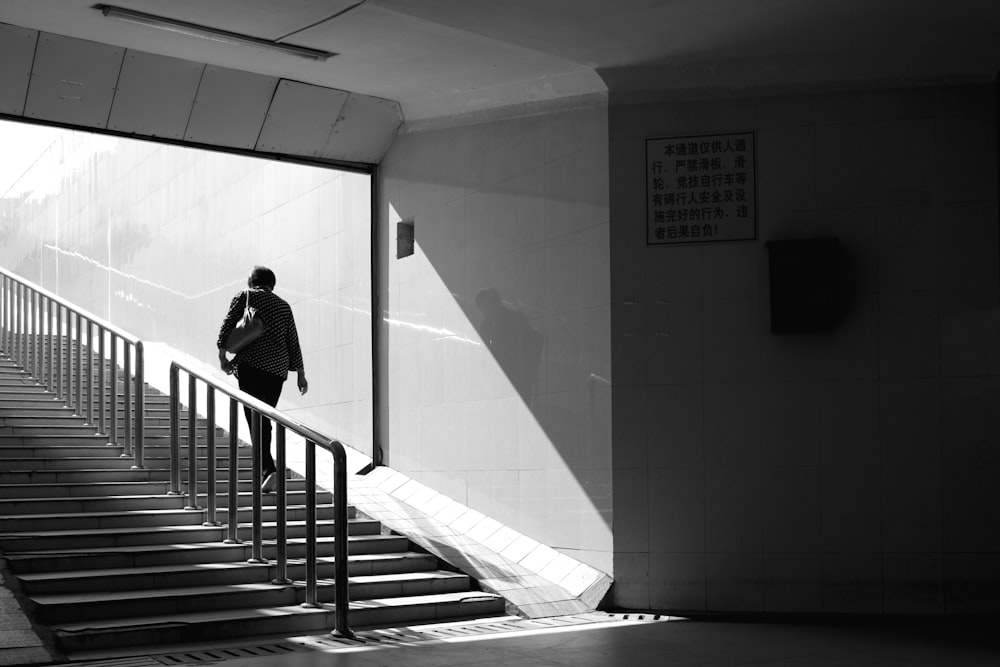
<point x="282" y="423"/>
<point x="34" y="322"/>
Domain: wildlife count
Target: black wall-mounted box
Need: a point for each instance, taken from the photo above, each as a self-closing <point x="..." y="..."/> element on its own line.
<point x="808" y="291"/>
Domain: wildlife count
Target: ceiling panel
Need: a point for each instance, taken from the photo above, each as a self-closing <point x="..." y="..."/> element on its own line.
<point x="365" y="129"/>
<point x="230" y="108"/>
<point x="17" y="48"/>
<point x="155" y="95"/>
<point x="73" y="81"/>
<point x="448" y="57"/>
<point x="301" y="119"/>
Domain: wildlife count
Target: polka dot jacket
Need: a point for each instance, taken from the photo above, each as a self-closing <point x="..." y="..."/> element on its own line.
<point x="277" y="351"/>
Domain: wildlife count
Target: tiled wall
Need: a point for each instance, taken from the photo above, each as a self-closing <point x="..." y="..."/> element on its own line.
<point x="854" y="471"/>
<point x="157" y="239"/>
<point x="518" y="430"/>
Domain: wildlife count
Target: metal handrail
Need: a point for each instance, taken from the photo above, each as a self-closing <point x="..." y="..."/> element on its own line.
<point x="283" y="422"/>
<point x="33" y="324"/>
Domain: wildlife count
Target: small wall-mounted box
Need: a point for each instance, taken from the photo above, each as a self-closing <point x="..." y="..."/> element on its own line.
<point x="404" y="239"/>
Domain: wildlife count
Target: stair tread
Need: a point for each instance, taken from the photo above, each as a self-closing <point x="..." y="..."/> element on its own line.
<point x="136" y="530"/>
<point x="188" y="546"/>
<point x="190" y="618"/>
<point x="160" y="570"/>
<point x="235" y="588"/>
<point x="137" y="496"/>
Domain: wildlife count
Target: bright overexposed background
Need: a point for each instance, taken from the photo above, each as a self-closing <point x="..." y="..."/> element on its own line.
<point x="22" y="145"/>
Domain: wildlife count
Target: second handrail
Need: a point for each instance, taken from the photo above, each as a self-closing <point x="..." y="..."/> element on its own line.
<point x="33" y="324"/>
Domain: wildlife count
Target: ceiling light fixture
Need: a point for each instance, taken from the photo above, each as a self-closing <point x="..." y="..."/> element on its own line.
<point x="223" y="36"/>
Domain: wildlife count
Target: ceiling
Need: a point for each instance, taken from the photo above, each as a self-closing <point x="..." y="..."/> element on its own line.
<point x="438" y="58"/>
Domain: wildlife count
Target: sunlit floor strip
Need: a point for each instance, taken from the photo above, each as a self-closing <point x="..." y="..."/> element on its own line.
<point x="382" y="638"/>
<point x="462" y="631"/>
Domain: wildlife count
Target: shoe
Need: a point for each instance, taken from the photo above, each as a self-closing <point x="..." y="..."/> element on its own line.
<point x="269" y="483"/>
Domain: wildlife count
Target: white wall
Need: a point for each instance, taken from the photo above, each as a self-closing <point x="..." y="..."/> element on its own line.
<point x="854" y="471"/>
<point x="157" y="239"/>
<point x="519" y="205"/>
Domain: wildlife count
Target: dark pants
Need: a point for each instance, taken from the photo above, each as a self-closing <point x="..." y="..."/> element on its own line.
<point x="267" y="387"/>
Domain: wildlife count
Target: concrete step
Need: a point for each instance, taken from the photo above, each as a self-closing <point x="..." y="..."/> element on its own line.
<point x="172" y="576"/>
<point x="145" y="535"/>
<point x="118" y="476"/>
<point x="22" y="388"/>
<point x="39" y="411"/>
<point x="95" y="448"/>
<point x="67" y="463"/>
<point x="86" y="476"/>
<point x="203" y="553"/>
<point x="101" y="487"/>
<point x="208" y="595"/>
<point x="10" y="507"/>
<point x="18" y="403"/>
<point x="34" y="389"/>
<point x="171" y="516"/>
<point x="21" y="459"/>
<point x="295" y="619"/>
<point x="13" y="427"/>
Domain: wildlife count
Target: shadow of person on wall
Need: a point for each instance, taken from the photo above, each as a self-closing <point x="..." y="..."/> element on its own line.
<point x="516" y="347"/>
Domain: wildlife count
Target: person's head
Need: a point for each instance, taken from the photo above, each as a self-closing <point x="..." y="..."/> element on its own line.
<point x="488" y="299"/>
<point x="261" y="276"/>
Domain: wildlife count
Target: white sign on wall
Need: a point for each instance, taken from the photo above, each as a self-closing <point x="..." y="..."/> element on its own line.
<point x="701" y="188"/>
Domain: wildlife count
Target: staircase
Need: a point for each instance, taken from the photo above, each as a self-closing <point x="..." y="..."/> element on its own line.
<point x="106" y="558"/>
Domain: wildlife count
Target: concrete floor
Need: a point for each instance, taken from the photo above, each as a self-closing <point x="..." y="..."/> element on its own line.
<point x="615" y="640"/>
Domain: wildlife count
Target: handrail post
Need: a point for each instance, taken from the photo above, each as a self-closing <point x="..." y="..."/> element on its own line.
<point x="29" y="303"/>
<point x="90" y="372"/>
<point x="78" y="410"/>
<point x="50" y="346"/>
<point x="4" y="348"/>
<point x="341" y="591"/>
<point x="68" y="369"/>
<point x="312" y="598"/>
<point x="281" y="538"/>
<point x="234" y="473"/>
<point x="257" y="549"/>
<point x="140" y="406"/>
<point x="36" y="318"/>
<point x="127" y="404"/>
<point x="113" y="357"/>
<point x="42" y="306"/>
<point x="210" y="520"/>
<point x="3" y="315"/>
<point x="18" y="346"/>
<point x="102" y="370"/>
<point x="175" y="433"/>
<point x="59" y="353"/>
<point x="39" y="341"/>
<point x="32" y="361"/>
<point x="7" y="300"/>
<point x="192" y="445"/>
<point x="8" y="316"/>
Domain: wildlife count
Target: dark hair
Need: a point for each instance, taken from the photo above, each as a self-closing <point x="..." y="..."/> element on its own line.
<point x="488" y="297"/>
<point x="261" y="276"/>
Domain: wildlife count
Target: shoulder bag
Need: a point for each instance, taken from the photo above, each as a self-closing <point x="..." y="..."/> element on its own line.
<point x="247" y="330"/>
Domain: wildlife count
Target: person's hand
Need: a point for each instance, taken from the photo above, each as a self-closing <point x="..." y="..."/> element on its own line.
<point x="303" y="383"/>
